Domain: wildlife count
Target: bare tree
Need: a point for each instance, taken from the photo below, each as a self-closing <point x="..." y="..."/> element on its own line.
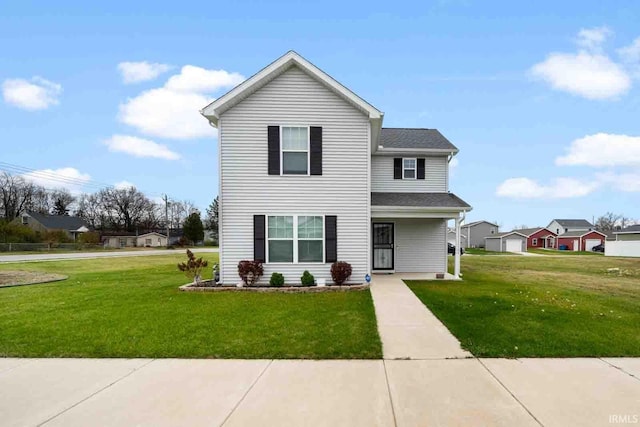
<point x="612" y="222"/>
<point x="40" y="201"/>
<point x="15" y="195"/>
<point x="126" y="206"/>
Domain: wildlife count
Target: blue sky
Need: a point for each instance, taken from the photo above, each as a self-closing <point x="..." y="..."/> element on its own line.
<point x="541" y="98"/>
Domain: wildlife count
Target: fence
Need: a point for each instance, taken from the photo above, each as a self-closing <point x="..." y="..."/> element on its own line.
<point x="47" y="247"/>
<point x="628" y="248"/>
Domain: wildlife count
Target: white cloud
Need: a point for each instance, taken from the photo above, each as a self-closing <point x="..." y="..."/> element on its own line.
<point x="627" y="182"/>
<point x="197" y="79"/>
<point x="560" y="188"/>
<point x="37" y="94"/>
<point x="592" y="76"/>
<point x="135" y="72"/>
<point x="139" y="147"/>
<point x="172" y="110"/>
<point x="69" y="178"/>
<point x="603" y="149"/>
<point x="123" y="185"/>
<point x="593" y="38"/>
<point x="631" y="54"/>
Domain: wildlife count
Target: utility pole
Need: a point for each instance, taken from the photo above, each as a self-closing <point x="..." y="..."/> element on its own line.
<point x="166" y="215"/>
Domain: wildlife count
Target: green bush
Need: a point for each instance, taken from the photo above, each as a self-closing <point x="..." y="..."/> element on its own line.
<point x="277" y="279"/>
<point x="307" y="279"/>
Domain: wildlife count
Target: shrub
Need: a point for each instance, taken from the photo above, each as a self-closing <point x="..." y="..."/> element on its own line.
<point x="340" y="272"/>
<point x="307" y="279"/>
<point x="277" y="279"/>
<point x="250" y="271"/>
<point x="193" y="267"/>
<point x="89" y="238"/>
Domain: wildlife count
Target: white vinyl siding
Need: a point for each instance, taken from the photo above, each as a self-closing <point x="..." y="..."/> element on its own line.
<point x="435" y="179"/>
<point x="294" y="99"/>
<point x="420" y="244"/>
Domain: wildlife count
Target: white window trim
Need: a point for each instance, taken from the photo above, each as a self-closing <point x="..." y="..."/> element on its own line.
<point x="308" y="151"/>
<point x="414" y="169"/>
<point x="295" y="240"/>
<point x="534" y="241"/>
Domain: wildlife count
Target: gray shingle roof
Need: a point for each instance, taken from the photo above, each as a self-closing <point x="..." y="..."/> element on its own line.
<point x="576" y="233"/>
<point x="504" y="233"/>
<point x="571" y="223"/>
<point x="59" y="222"/>
<point x="426" y="200"/>
<point x="414" y="138"/>
<point x="529" y="231"/>
<point x="630" y="229"/>
<point x="471" y="224"/>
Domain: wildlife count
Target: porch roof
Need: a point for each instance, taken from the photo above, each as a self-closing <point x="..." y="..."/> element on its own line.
<point x="420" y="200"/>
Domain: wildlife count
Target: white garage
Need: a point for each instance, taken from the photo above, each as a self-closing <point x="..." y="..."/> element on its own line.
<point x="511" y="241"/>
<point x="591" y="243"/>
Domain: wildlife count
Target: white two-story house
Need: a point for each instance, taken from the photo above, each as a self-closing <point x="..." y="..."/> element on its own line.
<point x="308" y="176"/>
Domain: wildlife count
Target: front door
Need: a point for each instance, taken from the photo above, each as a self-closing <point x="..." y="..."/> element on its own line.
<point x="383" y="246"/>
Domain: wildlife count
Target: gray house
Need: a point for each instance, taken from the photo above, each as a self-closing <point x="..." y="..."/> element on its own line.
<point x="72" y="226"/>
<point x="511" y="241"/>
<point x="561" y="226"/>
<point x="477" y="231"/>
<point x="308" y="176"/>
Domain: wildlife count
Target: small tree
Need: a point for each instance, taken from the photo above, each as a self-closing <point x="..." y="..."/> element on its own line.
<point x="211" y="220"/>
<point x="193" y="229"/>
<point x="193" y="267"/>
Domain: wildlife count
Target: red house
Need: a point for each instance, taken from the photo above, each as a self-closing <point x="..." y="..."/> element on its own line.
<point x="539" y="237"/>
<point x="580" y="240"/>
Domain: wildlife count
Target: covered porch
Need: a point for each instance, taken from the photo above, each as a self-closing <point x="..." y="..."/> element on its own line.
<point x="409" y="233"/>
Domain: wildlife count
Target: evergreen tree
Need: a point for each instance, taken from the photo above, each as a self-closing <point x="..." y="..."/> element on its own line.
<point x="193" y="228"/>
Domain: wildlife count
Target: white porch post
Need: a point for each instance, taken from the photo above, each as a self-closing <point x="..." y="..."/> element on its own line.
<point x="456" y="269"/>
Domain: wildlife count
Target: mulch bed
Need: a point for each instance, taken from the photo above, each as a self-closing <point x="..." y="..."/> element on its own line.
<point x="282" y="289"/>
<point x="10" y="278"/>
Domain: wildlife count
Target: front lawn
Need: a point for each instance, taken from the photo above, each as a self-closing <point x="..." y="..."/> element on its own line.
<point x="561" y="253"/>
<point x="131" y="307"/>
<point x="541" y="306"/>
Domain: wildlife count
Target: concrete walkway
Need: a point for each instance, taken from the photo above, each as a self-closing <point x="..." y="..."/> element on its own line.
<point x="445" y="392"/>
<point x="407" y="328"/>
<point x="90" y="255"/>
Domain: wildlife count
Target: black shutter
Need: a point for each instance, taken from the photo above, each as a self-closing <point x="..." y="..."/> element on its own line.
<point x="258" y="238"/>
<point x="420" y="172"/>
<point x="397" y="168"/>
<point x="273" y="136"/>
<point x="315" y="139"/>
<point x="331" y="238"/>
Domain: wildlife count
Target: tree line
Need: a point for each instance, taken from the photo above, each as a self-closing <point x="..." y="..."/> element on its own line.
<point x="108" y="209"/>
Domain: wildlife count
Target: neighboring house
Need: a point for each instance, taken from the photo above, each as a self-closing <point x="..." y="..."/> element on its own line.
<point x="539" y="237"/>
<point x="451" y="238"/>
<point x="629" y="233"/>
<point x="580" y="240"/>
<point x="627" y="242"/>
<point x="477" y="231"/>
<point x="511" y="241"/>
<point x="561" y="226"/>
<point x="308" y="176"/>
<point x="121" y="240"/>
<point x="129" y="240"/>
<point x="73" y="226"/>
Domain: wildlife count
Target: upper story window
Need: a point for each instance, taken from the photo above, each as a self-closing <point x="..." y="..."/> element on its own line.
<point x="25" y="219"/>
<point x="409" y="168"/>
<point x="295" y="150"/>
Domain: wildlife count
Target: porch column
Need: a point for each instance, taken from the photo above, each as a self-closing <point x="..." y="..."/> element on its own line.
<point x="456" y="268"/>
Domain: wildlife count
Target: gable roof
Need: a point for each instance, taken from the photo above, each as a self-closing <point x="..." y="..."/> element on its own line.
<point x="580" y="233"/>
<point x="632" y="229"/>
<point x="59" y="222"/>
<point x="529" y="231"/>
<point x="153" y="233"/>
<point x="572" y="223"/>
<point x="419" y="200"/>
<point x="414" y="138"/>
<point x="213" y="111"/>
<point x="474" y="223"/>
<point x="504" y="234"/>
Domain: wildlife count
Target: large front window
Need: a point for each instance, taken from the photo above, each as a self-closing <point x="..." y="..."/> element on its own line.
<point x="295" y="238"/>
<point x="295" y="150"/>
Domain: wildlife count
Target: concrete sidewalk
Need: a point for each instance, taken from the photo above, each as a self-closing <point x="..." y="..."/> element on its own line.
<point x="447" y="392"/>
<point x="91" y="255"/>
<point x="408" y="330"/>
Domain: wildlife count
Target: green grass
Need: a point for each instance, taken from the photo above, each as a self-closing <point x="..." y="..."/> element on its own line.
<point x="563" y="253"/>
<point x="131" y="307"/>
<point x="541" y="306"/>
<point x="480" y="251"/>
